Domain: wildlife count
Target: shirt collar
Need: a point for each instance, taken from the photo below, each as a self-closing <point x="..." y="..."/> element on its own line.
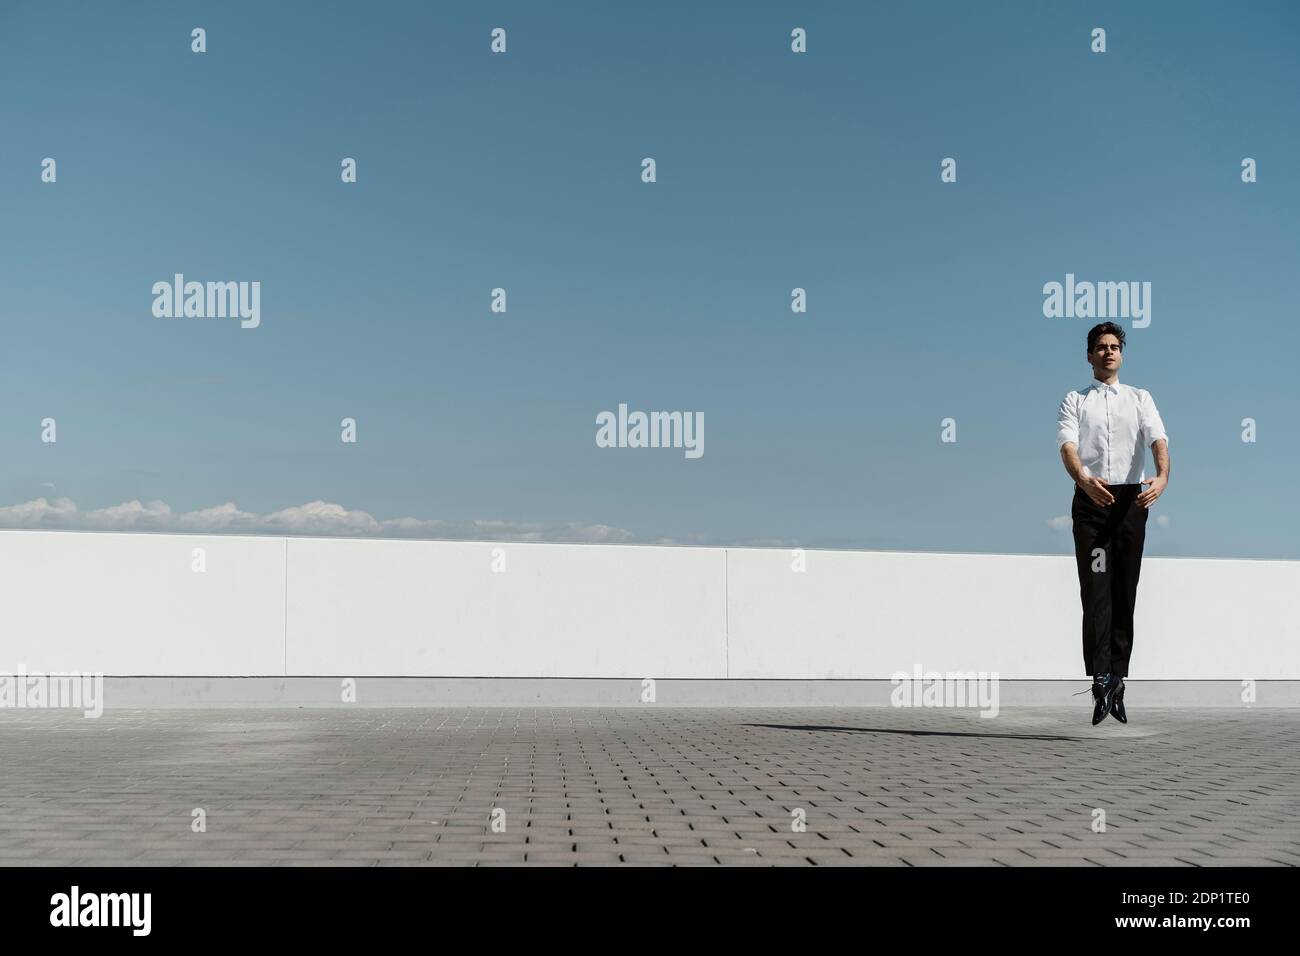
<point x="1103" y="387"/>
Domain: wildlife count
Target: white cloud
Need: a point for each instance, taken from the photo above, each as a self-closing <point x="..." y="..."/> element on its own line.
<point x="38" y="513"/>
<point x="1162" y="521"/>
<point x="315" y="517"/>
<point x="225" y="517"/>
<point x="319" y="517"/>
<point x="129" y="514"/>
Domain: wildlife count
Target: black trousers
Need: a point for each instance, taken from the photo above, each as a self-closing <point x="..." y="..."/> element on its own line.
<point x="1108" y="550"/>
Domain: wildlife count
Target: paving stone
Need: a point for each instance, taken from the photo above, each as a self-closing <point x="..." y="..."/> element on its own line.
<point x="649" y="787"/>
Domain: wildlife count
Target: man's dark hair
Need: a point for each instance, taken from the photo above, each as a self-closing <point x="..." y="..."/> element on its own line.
<point x="1106" y="328"/>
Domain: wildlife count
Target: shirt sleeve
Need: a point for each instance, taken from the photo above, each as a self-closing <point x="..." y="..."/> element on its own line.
<point x="1153" y="429"/>
<point x="1067" y="422"/>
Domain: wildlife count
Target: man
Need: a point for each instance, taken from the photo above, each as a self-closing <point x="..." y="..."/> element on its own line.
<point x="1102" y="432"/>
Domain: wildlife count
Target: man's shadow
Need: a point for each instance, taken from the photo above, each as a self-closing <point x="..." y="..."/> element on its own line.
<point x="912" y="733"/>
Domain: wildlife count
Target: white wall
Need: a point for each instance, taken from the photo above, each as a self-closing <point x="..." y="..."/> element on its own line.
<point x="421" y="608"/>
<point x="129" y="604"/>
<point x="869" y="614"/>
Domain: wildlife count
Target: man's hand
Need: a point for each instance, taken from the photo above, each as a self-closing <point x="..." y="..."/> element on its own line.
<point x="1096" y="489"/>
<point x="1147" y="498"/>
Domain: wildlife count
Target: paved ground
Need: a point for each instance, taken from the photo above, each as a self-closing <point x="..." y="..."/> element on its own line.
<point x="877" y="786"/>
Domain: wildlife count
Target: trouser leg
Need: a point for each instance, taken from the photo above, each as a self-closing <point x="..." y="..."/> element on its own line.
<point x="1094" y="556"/>
<point x="1130" y="538"/>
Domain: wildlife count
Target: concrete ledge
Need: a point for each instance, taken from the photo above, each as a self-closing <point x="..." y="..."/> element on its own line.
<point x="125" y="693"/>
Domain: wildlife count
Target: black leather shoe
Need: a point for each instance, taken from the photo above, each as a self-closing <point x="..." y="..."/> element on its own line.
<point x="1103" y="696"/>
<point x="1117" y="702"/>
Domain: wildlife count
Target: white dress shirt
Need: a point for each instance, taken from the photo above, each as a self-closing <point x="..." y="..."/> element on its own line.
<point x="1112" y="426"/>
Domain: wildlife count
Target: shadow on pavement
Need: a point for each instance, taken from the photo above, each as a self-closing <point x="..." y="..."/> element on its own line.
<point x="913" y="733"/>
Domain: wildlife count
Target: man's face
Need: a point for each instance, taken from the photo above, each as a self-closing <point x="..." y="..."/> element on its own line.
<point x="1105" y="355"/>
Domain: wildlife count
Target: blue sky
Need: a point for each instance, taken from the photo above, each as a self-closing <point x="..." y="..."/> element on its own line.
<point x="522" y="171"/>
